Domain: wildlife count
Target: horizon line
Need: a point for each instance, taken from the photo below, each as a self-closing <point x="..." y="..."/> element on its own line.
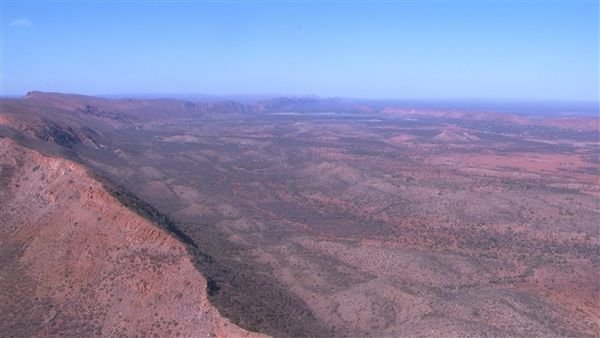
<point x="179" y="95"/>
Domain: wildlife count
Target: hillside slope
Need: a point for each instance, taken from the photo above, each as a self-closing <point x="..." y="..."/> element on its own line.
<point x="75" y="262"/>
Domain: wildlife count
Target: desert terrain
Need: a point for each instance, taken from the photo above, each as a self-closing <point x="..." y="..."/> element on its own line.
<point x="76" y="262"/>
<point x="296" y="217"/>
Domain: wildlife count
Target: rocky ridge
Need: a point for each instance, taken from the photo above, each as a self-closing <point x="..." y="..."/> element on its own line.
<point x="76" y="262"/>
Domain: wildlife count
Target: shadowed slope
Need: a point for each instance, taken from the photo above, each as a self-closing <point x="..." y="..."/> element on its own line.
<point x="75" y="262"/>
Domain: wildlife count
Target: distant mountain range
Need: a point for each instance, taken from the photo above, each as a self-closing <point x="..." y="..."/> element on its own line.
<point x="127" y="111"/>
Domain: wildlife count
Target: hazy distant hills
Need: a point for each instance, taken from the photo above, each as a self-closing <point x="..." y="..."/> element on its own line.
<point x="313" y="105"/>
<point x="69" y="120"/>
<point x="152" y="107"/>
<point x="123" y="111"/>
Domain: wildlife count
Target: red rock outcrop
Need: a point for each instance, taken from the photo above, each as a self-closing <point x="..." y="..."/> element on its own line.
<point x="76" y="262"/>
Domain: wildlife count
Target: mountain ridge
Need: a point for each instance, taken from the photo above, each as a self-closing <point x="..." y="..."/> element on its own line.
<point x="79" y="262"/>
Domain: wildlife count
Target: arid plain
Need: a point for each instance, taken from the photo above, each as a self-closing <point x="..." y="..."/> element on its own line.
<point x="309" y="217"/>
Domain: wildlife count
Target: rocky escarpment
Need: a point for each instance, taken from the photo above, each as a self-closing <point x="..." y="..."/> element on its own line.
<point x="75" y="262"/>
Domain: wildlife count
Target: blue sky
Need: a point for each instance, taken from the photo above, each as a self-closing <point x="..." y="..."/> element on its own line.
<point x="426" y="49"/>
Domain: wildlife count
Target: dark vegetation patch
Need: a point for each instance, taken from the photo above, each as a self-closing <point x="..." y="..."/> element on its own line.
<point x="44" y="147"/>
<point x="63" y="136"/>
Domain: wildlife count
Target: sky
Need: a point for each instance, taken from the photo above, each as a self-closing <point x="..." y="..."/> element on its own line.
<point x="526" y="50"/>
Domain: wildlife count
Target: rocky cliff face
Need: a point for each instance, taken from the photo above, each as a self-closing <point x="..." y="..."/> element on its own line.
<point x="76" y="262"/>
